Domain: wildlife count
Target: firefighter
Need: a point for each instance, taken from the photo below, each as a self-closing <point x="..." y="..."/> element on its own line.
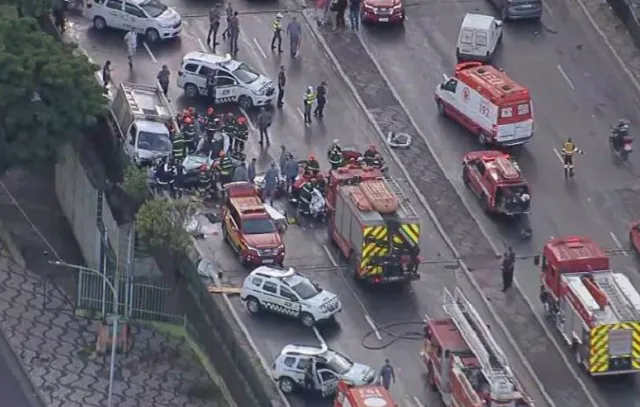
<point x="179" y="147"/>
<point x="190" y="135"/>
<point x="306" y="192"/>
<point x="321" y="184"/>
<point x="210" y="122"/>
<point x="214" y="171"/>
<point x="335" y="155"/>
<point x="229" y="125"/>
<point x="240" y="135"/>
<point x="569" y="149"/>
<point x="311" y="167"/>
<point x="370" y="154"/>
<point x="376" y="162"/>
<point x="203" y="182"/>
<point x="226" y="168"/>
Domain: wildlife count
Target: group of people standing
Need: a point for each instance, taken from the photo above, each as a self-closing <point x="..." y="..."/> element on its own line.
<point x="333" y="13"/>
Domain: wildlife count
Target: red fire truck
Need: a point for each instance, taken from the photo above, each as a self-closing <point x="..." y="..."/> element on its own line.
<point x="596" y="310"/>
<point x="362" y="396"/>
<point x="464" y="362"/>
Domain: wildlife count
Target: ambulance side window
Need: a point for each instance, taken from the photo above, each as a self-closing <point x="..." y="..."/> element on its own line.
<point x="450" y="85"/>
<point x="289" y="362"/>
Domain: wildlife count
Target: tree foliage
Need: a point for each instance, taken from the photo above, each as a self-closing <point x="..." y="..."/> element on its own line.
<point x="48" y="94"/>
<point x="34" y="8"/>
<point x="136" y="183"/>
<point x="162" y="223"/>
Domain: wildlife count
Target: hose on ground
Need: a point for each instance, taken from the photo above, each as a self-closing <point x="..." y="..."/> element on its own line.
<point x="389" y="336"/>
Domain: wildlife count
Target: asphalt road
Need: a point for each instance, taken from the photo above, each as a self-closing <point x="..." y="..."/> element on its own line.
<point x="578" y="91"/>
<point x="307" y="246"/>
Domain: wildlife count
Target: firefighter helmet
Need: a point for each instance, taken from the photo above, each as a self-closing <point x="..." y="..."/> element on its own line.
<point x="203" y="168"/>
<point x="311" y="157"/>
<point x="242" y="120"/>
<point x="188" y="120"/>
<point x="222" y="154"/>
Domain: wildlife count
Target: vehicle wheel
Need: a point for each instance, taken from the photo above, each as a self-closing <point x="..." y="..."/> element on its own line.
<point x="353" y="267"/>
<point x="245" y="102"/>
<point x="152" y="35"/>
<point x="465" y="175"/>
<point x="485" y="203"/>
<point x="504" y="14"/>
<point x="99" y="23"/>
<point x="253" y="305"/>
<point x="287" y="386"/>
<point x="482" y="138"/>
<point x="577" y="356"/>
<point x="431" y="378"/>
<point x="191" y="90"/>
<point x="307" y="319"/>
<point x="500" y="38"/>
<point x="225" y="235"/>
<point x="441" y="109"/>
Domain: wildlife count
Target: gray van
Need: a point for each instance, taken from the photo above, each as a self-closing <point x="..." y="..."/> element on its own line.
<point x="519" y="9"/>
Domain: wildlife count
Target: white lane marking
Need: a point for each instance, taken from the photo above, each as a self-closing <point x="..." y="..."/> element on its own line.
<point x="417" y="400"/>
<point x="255" y="41"/>
<point x="346" y="283"/>
<point x="202" y="46"/>
<point x="446" y="78"/>
<point x="558" y="155"/>
<point x="245" y="114"/>
<point x="373" y="326"/>
<point x="319" y="336"/>
<point x="153" y="58"/>
<point x="617" y="242"/>
<point x="566" y="77"/>
<point x="302" y="114"/>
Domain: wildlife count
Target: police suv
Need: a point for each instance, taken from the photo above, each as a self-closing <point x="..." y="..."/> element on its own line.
<point x="235" y="81"/>
<point x="288" y="293"/>
<point x="327" y="365"/>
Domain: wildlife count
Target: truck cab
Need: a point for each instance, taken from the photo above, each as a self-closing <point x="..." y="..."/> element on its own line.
<point x="362" y="396"/>
<point x="143" y="116"/>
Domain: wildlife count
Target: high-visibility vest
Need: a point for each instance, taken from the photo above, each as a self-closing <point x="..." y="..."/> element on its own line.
<point x="568" y="148"/>
<point x="277" y="26"/>
<point x="309" y="97"/>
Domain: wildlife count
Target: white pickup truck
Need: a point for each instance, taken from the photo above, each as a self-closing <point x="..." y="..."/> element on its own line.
<point x="142" y="114"/>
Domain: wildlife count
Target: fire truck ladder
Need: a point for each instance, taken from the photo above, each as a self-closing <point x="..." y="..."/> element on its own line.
<point x="616" y="298"/>
<point x="477" y="335"/>
<point x="394" y="186"/>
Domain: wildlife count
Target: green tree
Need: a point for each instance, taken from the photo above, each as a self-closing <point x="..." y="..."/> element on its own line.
<point x="34" y="8"/>
<point x="162" y="223"/>
<point x="48" y="94"/>
<point x="136" y="184"/>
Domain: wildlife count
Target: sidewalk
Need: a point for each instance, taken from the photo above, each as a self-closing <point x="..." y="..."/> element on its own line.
<point x="55" y="347"/>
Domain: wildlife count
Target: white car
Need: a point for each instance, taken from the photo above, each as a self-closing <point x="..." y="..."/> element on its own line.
<point x="329" y="367"/>
<point x="236" y="82"/>
<point x="288" y="293"/>
<point x="479" y="37"/>
<point x="150" y="18"/>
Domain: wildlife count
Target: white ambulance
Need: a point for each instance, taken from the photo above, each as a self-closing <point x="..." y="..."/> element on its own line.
<point x="488" y="103"/>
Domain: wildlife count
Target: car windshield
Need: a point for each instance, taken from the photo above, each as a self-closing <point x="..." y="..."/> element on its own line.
<point x="154" y="142"/>
<point x="258" y="226"/>
<point x="303" y="287"/>
<point x="153" y="7"/>
<point x="244" y="73"/>
<point x="338" y="363"/>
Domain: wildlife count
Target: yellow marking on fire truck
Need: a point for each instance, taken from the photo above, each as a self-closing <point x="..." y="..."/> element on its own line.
<point x="599" y="345"/>
<point x="371" y="248"/>
<point x="635" y="351"/>
<point x="413" y="232"/>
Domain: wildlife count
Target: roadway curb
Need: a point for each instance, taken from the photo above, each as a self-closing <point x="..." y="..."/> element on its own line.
<point x="420" y="196"/>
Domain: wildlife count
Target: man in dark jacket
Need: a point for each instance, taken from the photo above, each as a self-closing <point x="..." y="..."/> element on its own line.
<point x="321" y="99"/>
<point x="211" y="87"/>
<point x="354" y="14"/>
<point x="508" y="268"/>
<point x="341" y="7"/>
<point x="282" y="81"/>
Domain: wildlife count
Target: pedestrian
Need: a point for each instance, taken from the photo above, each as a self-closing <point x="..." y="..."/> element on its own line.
<point x="354" y="14"/>
<point x="241" y="173"/>
<point x="321" y="99"/>
<point x="387" y="374"/>
<point x="234" y="33"/>
<point x="294" y="31"/>
<point x="309" y="380"/>
<point x="163" y="79"/>
<point x="211" y="87"/>
<point x="229" y="14"/>
<point x="131" y="39"/>
<point x="59" y="17"/>
<point x="270" y="183"/>
<point x="341" y="7"/>
<point x="251" y="171"/>
<point x="106" y="76"/>
<point x="308" y="99"/>
<point x="276" y="26"/>
<point x="284" y="157"/>
<point x="214" y="26"/>
<point x="508" y="268"/>
<point x="291" y="170"/>
<point x="264" y="122"/>
<point x="282" y="81"/>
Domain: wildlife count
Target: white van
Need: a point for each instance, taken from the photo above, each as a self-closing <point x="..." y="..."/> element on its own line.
<point x="479" y="37"/>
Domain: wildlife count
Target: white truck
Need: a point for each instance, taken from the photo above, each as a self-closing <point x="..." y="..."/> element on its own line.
<point x="143" y="115"/>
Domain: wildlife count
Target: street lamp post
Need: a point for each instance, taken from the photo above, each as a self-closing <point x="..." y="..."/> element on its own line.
<point x="114" y="333"/>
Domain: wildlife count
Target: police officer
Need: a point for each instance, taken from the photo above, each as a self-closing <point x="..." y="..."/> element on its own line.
<point x="190" y="135"/>
<point x="569" y="149"/>
<point x="370" y="154"/>
<point x="277" y="33"/>
<point x="178" y="151"/>
<point x="312" y="166"/>
<point x="321" y="98"/>
<point x="335" y="156"/>
<point x="226" y="168"/>
<point x="204" y="178"/>
<point x="309" y="382"/>
<point x="308" y="99"/>
<point x="306" y="193"/>
<point x="211" y="87"/>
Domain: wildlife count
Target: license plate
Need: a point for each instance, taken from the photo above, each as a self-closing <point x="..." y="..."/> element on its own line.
<point x="267" y="261"/>
<point x="384" y="20"/>
<point x="627" y="147"/>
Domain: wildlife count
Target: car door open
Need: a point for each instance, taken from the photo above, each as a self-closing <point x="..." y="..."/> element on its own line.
<point x="327" y="382"/>
<point x="225" y="88"/>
